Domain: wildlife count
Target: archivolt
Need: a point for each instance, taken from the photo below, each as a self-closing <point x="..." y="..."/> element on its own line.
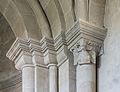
<point x="12" y="15"/>
<point x="25" y="18"/>
<point x="54" y="13"/>
<point x="29" y="19"/>
<point x="59" y="13"/>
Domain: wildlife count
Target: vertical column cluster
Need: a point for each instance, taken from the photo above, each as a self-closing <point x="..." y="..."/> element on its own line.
<point x="50" y="60"/>
<point x="85" y="53"/>
<point x="20" y="53"/>
<point x="37" y="61"/>
<point x="82" y="42"/>
<point x="85" y="44"/>
<point x="69" y="60"/>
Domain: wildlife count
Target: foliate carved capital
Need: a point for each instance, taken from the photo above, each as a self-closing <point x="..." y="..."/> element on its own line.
<point x="85" y="51"/>
<point x="85" y="41"/>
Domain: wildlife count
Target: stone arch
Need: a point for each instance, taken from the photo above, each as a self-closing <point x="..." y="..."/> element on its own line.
<point x="55" y="15"/>
<point x="68" y="11"/>
<point x="60" y="14"/>
<point x="10" y="12"/>
<point x="23" y="18"/>
<point x="41" y="18"/>
<point x="7" y="68"/>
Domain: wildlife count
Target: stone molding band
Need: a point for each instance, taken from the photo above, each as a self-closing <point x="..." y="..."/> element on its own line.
<point x="81" y="30"/>
<point x="83" y="40"/>
<point x="80" y="33"/>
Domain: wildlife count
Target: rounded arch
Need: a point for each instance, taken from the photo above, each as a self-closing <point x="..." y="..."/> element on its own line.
<point x="59" y="13"/>
<point x="67" y="7"/>
<point x="22" y="18"/>
<point x="12" y="15"/>
<point x="41" y="18"/>
<point x="55" y="15"/>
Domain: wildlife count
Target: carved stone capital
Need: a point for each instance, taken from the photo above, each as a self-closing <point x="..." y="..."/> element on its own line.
<point x="85" y="52"/>
<point x="83" y="38"/>
<point x="48" y="50"/>
<point x="22" y="52"/>
<point x="85" y="41"/>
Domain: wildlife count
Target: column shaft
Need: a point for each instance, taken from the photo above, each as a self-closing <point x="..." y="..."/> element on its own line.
<point x="28" y="79"/>
<point x="86" y="78"/>
<point x="53" y="78"/>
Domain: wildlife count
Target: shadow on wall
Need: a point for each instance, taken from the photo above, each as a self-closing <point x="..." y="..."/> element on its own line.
<point x="8" y="72"/>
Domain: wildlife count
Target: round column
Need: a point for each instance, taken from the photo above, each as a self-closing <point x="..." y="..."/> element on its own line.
<point x="28" y="79"/>
<point x="86" y="78"/>
<point x="53" y="78"/>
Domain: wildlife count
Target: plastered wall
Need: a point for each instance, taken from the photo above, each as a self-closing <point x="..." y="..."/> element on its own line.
<point x="109" y="71"/>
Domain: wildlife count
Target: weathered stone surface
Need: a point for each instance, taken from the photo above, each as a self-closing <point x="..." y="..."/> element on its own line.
<point x="109" y="74"/>
<point x="57" y="45"/>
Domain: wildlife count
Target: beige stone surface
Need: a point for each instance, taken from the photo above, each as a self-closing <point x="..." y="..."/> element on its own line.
<point x="109" y="80"/>
<point x="15" y="88"/>
<point x="7" y="37"/>
<point x="47" y="33"/>
<point x="7" y="68"/>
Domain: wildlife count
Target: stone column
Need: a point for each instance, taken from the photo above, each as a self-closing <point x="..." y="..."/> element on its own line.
<point x="66" y="68"/>
<point x="41" y="72"/>
<point x="24" y="63"/>
<point x="28" y="79"/>
<point x="85" y="61"/>
<point x="21" y="53"/>
<point x="85" y="41"/>
<point x="86" y="78"/>
<point x="51" y="61"/>
<point x="52" y="78"/>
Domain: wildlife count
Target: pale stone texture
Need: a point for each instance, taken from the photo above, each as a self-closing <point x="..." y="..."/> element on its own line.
<point x="86" y="78"/>
<point x="53" y="86"/>
<point x="9" y="82"/>
<point x="91" y="11"/>
<point x="42" y="80"/>
<point x="53" y="69"/>
<point x="15" y="88"/>
<point x="96" y="12"/>
<point x="109" y="71"/>
<point x="67" y="78"/>
<point x="28" y="79"/>
<point x="6" y="39"/>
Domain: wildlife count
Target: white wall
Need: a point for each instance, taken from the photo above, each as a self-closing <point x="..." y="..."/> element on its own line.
<point x="109" y="72"/>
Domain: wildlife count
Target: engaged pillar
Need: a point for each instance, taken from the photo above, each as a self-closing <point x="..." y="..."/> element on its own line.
<point x="85" y="61"/>
<point x="51" y="62"/>
<point x="26" y="54"/>
<point x="85" y="42"/>
<point x="53" y="77"/>
<point x="28" y="79"/>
